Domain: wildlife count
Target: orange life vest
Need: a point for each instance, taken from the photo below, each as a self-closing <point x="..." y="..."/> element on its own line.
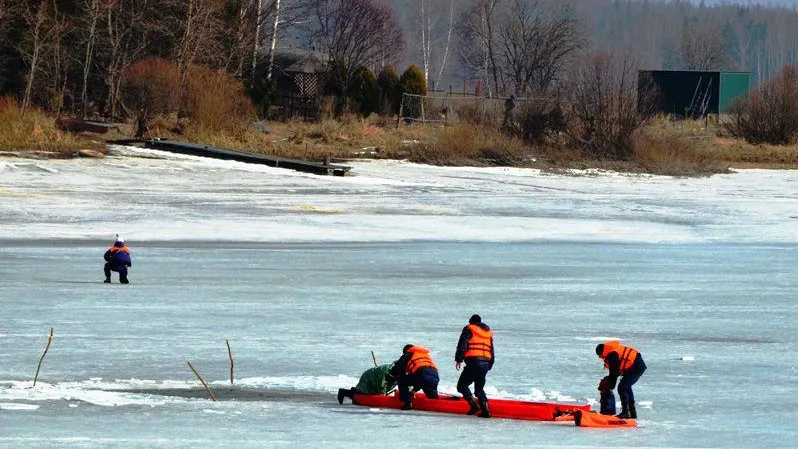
<point x="625" y="353"/>
<point x="479" y="345"/>
<point x="419" y="359"/>
<point x="123" y="249"/>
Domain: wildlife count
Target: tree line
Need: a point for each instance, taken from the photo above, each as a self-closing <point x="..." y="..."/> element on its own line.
<point x="88" y="56"/>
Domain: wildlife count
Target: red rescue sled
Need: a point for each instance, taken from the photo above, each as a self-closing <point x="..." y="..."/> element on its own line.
<point x="499" y="408"/>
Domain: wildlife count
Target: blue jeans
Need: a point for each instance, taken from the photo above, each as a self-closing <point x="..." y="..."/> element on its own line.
<point x="627" y="380"/>
<point x="425" y="379"/>
<point x="473" y="373"/>
<point x="121" y="269"/>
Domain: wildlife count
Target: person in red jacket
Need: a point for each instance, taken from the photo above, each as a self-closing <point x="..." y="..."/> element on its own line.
<point x="626" y="362"/>
<point x="415" y="369"/>
<point x="475" y="348"/>
<point x="117" y="258"/>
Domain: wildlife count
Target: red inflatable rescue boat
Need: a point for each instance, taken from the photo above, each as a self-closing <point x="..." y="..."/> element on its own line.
<point x="499" y="408"/>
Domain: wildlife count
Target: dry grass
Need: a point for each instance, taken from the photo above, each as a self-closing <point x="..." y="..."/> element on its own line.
<point x="662" y="146"/>
<point x="35" y="131"/>
<point x="703" y="147"/>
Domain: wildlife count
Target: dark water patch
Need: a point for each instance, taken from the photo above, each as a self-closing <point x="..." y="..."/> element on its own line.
<point x="246" y="394"/>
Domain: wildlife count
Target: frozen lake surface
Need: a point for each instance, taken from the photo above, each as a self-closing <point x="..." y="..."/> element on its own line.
<point x="306" y="275"/>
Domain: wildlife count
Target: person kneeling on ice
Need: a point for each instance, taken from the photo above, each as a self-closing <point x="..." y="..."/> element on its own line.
<point x="415" y="369"/>
<point x="377" y="380"/>
<point x="623" y="361"/>
<point x="475" y="347"/>
<point x="117" y="258"/>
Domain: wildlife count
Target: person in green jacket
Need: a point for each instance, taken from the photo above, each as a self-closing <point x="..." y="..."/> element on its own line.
<point x="377" y="380"/>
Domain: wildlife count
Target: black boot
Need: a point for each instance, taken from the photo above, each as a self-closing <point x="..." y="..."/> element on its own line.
<point x="624" y="412"/>
<point x="341" y="395"/>
<point x="473" y="406"/>
<point x="632" y="410"/>
<point x="407" y="406"/>
<point x="485" y="410"/>
<point x="107" y="280"/>
<point x="124" y="281"/>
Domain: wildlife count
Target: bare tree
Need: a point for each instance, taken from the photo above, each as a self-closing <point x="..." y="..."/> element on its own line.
<point x="770" y="112"/>
<point x="601" y="111"/>
<point x="355" y="33"/>
<point x="93" y="12"/>
<point x="38" y="15"/>
<point x="535" y="42"/>
<point x="199" y="23"/>
<point x="436" y="23"/>
<point x="127" y="28"/>
<point x="703" y="47"/>
<point x="476" y="29"/>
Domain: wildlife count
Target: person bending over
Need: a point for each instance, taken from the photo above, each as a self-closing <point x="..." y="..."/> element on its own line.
<point x="377" y="380"/>
<point x="626" y="362"/>
<point x="415" y="369"/>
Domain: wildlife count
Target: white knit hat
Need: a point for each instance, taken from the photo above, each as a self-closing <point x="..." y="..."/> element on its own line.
<point x="119" y="239"/>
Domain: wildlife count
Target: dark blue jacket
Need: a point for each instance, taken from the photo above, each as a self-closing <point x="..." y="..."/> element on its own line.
<point x="118" y="258"/>
<point x="613" y="361"/>
<point x="462" y="347"/>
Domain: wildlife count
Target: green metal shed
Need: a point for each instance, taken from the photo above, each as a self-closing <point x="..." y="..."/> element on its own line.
<point x="691" y="93"/>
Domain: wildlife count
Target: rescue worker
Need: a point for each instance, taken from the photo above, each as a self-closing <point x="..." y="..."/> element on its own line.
<point x="415" y="369"/>
<point x="624" y="361"/>
<point x="475" y="347"/>
<point x="377" y="380"/>
<point x="117" y="258"/>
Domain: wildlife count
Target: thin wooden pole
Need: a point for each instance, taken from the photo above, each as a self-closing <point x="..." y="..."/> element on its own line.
<point x="207" y="388"/>
<point x="374" y="358"/>
<point x="49" y="341"/>
<point x="230" y="355"/>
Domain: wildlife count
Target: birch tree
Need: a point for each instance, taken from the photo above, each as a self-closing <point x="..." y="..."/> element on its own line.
<point x="38" y="16"/>
<point x="93" y="13"/>
<point x="436" y="24"/>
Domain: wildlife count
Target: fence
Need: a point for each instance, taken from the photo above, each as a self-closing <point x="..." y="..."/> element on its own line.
<point x="451" y="108"/>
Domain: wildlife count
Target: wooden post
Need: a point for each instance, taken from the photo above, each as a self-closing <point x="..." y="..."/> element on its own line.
<point x="230" y="354"/>
<point x="205" y="384"/>
<point x="49" y="341"/>
<point x="401" y="108"/>
<point x="374" y="358"/>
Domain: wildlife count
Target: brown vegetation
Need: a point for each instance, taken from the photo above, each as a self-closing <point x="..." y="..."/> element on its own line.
<point x="770" y="113"/>
<point x="33" y="131"/>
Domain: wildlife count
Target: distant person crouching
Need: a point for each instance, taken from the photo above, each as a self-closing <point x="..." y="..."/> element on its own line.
<point x="117" y="258"/>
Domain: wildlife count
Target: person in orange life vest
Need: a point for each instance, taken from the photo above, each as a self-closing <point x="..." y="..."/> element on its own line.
<point x="475" y="347"/>
<point x="415" y="369"/>
<point x="117" y="258"/>
<point x="626" y="362"/>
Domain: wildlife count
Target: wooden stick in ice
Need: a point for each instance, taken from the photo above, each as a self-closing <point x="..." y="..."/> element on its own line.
<point x="207" y="388"/>
<point x="49" y="341"/>
<point x="230" y="355"/>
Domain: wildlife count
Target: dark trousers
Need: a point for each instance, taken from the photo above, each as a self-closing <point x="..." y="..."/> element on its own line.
<point x="473" y="373"/>
<point x="628" y="379"/>
<point x="121" y="269"/>
<point x="425" y="379"/>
